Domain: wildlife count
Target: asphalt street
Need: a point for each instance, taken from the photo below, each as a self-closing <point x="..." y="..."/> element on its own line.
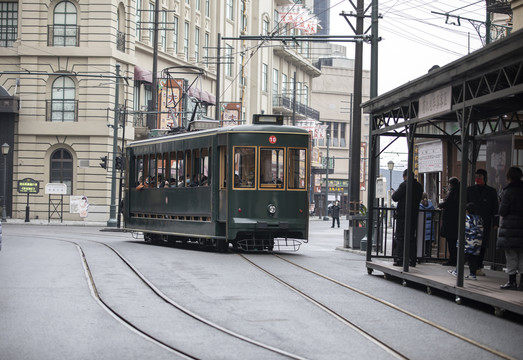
<point x="57" y="282"/>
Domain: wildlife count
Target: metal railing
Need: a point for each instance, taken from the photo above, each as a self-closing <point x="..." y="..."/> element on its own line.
<point x="63" y="35"/>
<point x="61" y="110"/>
<point x="286" y="103"/>
<point x="120" y="41"/>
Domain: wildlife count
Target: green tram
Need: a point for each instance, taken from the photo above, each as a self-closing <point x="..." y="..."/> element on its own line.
<point x="244" y="186"/>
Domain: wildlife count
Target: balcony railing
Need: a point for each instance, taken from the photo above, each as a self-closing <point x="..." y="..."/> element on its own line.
<point x="61" y="110"/>
<point x="285" y="102"/>
<point x="63" y="35"/>
<point x="120" y="41"/>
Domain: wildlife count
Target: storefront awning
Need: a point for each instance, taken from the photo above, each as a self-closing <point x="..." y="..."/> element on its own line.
<point x="141" y="74"/>
<point x="202" y="95"/>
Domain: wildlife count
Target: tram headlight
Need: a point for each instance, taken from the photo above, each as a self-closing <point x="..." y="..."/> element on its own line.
<point x="271" y="209"/>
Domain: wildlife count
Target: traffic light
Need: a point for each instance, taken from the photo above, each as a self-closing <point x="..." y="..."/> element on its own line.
<point x="119" y="163"/>
<point x="103" y="164"/>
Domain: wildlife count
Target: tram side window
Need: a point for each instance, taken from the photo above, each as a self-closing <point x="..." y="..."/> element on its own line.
<point x="151" y="176"/>
<point x="223" y="166"/>
<point x="272" y="164"/>
<point x="205" y="170"/>
<point x="244" y="167"/>
<point x="297" y="169"/>
<point x="138" y="168"/>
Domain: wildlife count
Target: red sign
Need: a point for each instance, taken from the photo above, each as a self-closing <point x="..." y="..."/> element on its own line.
<point x="272" y="139"/>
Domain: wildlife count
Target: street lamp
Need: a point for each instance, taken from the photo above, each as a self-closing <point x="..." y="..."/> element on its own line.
<point x="5" y="151"/>
<point x="325" y="217"/>
<point x="390" y="165"/>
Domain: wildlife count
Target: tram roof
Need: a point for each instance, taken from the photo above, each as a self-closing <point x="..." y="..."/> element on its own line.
<point x="222" y="130"/>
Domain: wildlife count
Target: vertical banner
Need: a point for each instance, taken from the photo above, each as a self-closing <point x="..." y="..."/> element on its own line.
<point x="169" y="103"/>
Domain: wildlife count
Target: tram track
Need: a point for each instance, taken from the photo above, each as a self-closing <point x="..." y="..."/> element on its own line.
<point x="359" y="329"/>
<point x="145" y="334"/>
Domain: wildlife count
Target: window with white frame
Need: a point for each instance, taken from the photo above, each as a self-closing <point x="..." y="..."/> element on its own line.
<point x="175" y="35"/>
<point x="284" y="84"/>
<point x="151" y="23"/>
<point x="8" y="23"/>
<point x="138" y="20"/>
<point x="207" y="8"/>
<point x="65" y="29"/>
<point x="63" y="99"/>
<point x="275" y="85"/>
<point x="228" y="60"/>
<point x="265" y="27"/>
<point x="197" y="44"/>
<point x="265" y="77"/>
<point x="230" y="9"/>
<point x="186" y="41"/>
<point x="163" y="28"/>
<point x="206" y="49"/>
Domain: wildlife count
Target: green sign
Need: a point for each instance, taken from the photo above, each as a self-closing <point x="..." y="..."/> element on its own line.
<point x="28" y="186"/>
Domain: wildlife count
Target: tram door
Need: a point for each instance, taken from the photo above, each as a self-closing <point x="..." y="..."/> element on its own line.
<point x="222" y="213"/>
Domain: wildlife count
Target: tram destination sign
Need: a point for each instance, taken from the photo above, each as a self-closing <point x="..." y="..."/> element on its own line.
<point x="28" y="186"/>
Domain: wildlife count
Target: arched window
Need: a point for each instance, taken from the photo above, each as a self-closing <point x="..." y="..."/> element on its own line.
<point x="120" y="27"/>
<point x="63" y="103"/>
<point x="62" y="168"/>
<point x="65" y="31"/>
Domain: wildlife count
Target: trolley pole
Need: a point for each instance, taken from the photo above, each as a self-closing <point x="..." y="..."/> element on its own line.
<point x="112" y="208"/>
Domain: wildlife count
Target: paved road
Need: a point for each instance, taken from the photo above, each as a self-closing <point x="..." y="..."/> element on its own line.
<point x="48" y="309"/>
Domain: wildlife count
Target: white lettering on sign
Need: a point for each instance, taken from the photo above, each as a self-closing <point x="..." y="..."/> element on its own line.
<point x="435" y="103"/>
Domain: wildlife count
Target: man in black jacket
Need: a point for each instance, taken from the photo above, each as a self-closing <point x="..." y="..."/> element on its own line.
<point x="486" y="200"/>
<point x="400" y="196"/>
<point x="335" y="212"/>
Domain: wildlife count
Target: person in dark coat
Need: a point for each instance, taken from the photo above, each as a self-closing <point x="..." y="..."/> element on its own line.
<point x="400" y="196"/>
<point x="486" y="200"/>
<point x="335" y="213"/>
<point x="450" y="220"/>
<point x="510" y="236"/>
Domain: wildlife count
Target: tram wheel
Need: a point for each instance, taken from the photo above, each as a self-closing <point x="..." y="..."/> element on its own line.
<point x="429" y="290"/>
<point x="458" y="300"/>
<point x="221" y="245"/>
<point x="404" y="283"/>
<point x="369" y="271"/>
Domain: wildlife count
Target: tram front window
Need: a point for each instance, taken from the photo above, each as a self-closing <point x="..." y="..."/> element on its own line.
<point x="272" y="164"/>
<point x="244" y="167"/>
<point x="297" y="169"/>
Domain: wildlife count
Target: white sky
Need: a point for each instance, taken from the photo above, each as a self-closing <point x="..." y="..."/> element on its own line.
<point x="413" y="40"/>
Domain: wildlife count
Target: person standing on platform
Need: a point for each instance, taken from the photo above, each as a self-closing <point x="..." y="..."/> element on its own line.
<point x="335" y="212"/>
<point x="486" y="199"/>
<point x="473" y="239"/>
<point x="450" y="220"/>
<point x="400" y="196"/>
<point x="510" y="237"/>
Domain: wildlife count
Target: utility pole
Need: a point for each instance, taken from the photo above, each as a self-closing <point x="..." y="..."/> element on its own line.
<point x="218" y="74"/>
<point x="294" y="100"/>
<point x="354" y="186"/>
<point x="112" y="208"/>
<point x="154" y="101"/>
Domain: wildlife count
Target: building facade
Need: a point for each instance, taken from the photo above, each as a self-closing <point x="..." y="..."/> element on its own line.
<point x="71" y="64"/>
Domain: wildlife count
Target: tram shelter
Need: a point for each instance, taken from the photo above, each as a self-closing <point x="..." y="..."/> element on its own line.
<point x="466" y="103"/>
